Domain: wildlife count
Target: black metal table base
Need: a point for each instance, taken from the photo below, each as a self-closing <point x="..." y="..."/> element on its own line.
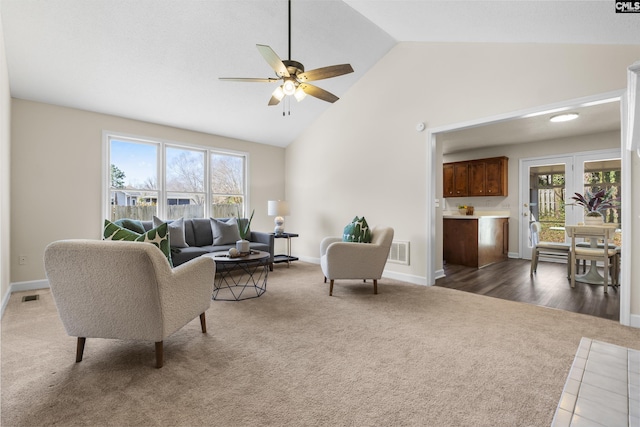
<point x="241" y="280"/>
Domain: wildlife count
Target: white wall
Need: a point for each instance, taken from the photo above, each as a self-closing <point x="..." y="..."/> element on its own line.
<point x="364" y="156"/>
<point x="56" y="181"/>
<point x="5" y="170"/>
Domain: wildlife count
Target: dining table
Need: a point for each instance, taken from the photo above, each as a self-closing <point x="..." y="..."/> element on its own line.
<point x="594" y="234"/>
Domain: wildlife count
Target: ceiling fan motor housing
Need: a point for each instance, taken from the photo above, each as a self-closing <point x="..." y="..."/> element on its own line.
<point x="293" y="67"/>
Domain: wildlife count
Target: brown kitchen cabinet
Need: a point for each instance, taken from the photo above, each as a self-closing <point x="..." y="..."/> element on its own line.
<point x="481" y="177"/>
<point x="455" y="179"/>
<point x="475" y="241"/>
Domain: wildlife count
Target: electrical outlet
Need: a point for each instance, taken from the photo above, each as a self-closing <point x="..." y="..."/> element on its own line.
<point x="22" y="260"/>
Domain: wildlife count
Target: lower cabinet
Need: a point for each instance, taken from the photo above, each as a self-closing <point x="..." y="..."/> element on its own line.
<point x="475" y="241"/>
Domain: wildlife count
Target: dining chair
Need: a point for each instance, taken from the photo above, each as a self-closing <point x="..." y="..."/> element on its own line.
<point x="606" y="254"/>
<point x="614" y="268"/>
<point x="559" y="250"/>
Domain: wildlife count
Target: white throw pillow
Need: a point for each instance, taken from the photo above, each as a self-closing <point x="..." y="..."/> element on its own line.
<point x="176" y="231"/>
<point x="225" y="232"/>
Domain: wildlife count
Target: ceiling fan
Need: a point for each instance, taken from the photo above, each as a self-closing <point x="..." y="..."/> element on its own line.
<point x="293" y="77"/>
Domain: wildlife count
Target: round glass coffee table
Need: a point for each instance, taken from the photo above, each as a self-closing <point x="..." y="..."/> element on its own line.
<point x="241" y="277"/>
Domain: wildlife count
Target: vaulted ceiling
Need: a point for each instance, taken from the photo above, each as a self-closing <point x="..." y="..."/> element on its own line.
<point x="160" y="60"/>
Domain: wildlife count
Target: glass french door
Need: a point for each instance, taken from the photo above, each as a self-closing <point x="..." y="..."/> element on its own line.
<point x="547" y="185"/>
<point x="544" y="185"/>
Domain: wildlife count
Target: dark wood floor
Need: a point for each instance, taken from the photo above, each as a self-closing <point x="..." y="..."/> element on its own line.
<point x="549" y="287"/>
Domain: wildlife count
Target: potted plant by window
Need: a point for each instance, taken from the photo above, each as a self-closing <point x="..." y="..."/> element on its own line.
<point x="242" y="245"/>
<point x="594" y="204"/>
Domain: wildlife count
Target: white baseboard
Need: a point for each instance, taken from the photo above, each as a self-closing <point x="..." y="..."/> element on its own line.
<point x="416" y="280"/>
<point x="634" y="320"/>
<point x="21" y="287"/>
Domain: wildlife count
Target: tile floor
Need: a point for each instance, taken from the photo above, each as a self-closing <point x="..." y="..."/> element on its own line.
<point x="603" y="388"/>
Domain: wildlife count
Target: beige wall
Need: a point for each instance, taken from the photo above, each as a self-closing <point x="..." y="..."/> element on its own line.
<point x="515" y="152"/>
<point x="365" y="157"/>
<point x="5" y="170"/>
<point x="56" y="179"/>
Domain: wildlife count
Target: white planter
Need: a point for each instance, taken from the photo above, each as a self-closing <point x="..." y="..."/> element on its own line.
<point x="243" y="246"/>
<point x="593" y="220"/>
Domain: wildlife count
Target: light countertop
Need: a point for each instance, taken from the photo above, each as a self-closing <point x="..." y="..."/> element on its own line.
<point x="476" y="214"/>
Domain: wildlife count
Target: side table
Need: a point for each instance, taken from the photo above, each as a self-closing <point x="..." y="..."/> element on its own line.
<point x="282" y="257"/>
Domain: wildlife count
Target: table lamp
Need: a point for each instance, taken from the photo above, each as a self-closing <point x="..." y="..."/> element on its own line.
<point x="279" y="209"/>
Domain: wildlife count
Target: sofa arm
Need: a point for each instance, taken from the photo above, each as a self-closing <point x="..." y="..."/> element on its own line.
<point x="265" y="239"/>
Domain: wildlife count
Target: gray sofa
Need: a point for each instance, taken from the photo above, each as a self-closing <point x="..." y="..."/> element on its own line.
<point x="199" y="236"/>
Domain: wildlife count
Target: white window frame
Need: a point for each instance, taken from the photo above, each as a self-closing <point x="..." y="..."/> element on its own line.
<point x="162" y="144"/>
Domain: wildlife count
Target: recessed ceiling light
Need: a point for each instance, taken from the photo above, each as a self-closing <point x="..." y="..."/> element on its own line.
<point x="564" y="117"/>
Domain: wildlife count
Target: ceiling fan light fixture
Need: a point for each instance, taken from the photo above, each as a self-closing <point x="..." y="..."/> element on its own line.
<point x="289" y="87"/>
<point x="300" y="94"/>
<point x="564" y="117"/>
<point x="278" y="93"/>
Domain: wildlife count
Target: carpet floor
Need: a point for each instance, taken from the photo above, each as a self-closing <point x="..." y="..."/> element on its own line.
<point x="411" y="355"/>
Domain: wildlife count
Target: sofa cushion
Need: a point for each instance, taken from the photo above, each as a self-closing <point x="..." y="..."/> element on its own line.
<point x="357" y="231"/>
<point x="176" y="231"/>
<point x="225" y="232"/>
<point x="182" y="255"/>
<point x="202" y="235"/>
<point x="158" y="237"/>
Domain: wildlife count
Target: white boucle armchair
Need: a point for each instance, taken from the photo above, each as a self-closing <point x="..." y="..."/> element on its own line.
<point x="125" y="290"/>
<point x="348" y="260"/>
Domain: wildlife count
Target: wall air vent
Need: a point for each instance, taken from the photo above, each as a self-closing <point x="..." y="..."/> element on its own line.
<point x="399" y="253"/>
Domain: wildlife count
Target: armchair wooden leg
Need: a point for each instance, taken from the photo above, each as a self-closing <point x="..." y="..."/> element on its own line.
<point x="375" y="286"/>
<point x="203" y="323"/>
<point x="80" y="349"/>
<point x="159" y="355"/>
<point x="331" y="288"/>
<point x="325" y="279"/>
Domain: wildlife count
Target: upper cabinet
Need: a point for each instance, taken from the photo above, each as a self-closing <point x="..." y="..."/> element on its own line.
<point x="481" y="177"/>
<point x="456" y="179"/>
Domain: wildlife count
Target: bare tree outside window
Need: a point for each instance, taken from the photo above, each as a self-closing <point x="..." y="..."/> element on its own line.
<point x="227" y="185"/>
<point x="185" y="183"/>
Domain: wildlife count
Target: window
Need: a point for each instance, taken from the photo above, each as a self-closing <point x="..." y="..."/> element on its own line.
<point x="133" y="183"/>
<point x="227" y="197"/>
<point x="172" y="180"/>
<point x="184" y="177"/>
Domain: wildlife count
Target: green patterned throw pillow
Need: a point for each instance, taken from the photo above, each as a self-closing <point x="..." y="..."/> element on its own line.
<point x="158" y="236"/>
<point x="130" y="224"/>
<point x="357" y="231"/>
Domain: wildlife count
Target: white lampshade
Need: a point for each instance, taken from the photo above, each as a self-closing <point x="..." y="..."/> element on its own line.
<point x="278" y="93"/>
<point x="300" y="94"/>
<point x="279" y="209"/>
<point x="289" y="87"/>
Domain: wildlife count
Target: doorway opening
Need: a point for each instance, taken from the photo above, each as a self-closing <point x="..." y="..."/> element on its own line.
<point x="434" y="159"/>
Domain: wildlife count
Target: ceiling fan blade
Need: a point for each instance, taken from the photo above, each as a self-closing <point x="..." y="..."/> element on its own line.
<point x="325" y="72"/>
<point x="273" y="60"/>
<point x="248" y="79"/>
<point x="274" y="101"/>
<point x="318" y="93"/>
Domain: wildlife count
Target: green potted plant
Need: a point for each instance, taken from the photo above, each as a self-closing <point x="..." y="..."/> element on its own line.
<point x="595" y="203"/>
<point x="242" y="245"/>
